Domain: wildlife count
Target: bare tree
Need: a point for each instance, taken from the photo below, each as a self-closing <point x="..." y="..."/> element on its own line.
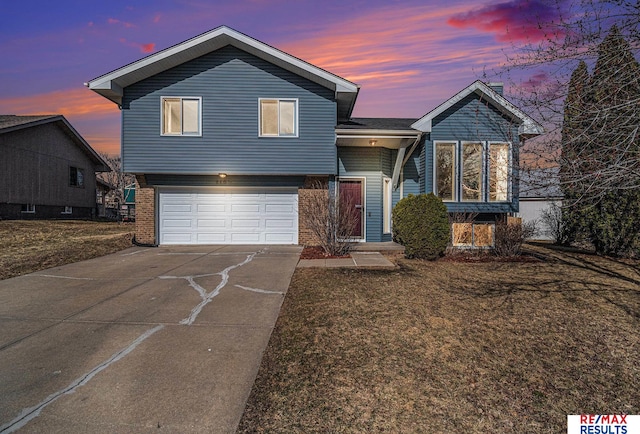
<point x="117" y="179"/>
<point x="331" y="219"/>
<point x="575" y="35"/>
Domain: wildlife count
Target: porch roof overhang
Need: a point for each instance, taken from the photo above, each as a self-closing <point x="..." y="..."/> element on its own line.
<point x="405" y="140"/>
<point x="389" y="139"/>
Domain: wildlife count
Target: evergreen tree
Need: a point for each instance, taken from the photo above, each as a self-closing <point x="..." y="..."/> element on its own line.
<point x="572" y="145"/>
<point x="614" y="221"/>
<point x="597" y="115"/>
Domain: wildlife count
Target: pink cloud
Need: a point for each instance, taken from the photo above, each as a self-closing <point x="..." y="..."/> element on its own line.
<point x="84" y="109"/>
<point x="125" y="24"/>
<point x="144" y="48"/>
<point x="514" y="20"/>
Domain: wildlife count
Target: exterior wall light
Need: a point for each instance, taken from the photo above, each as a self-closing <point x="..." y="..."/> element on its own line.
<point x="373" y="142"/>
<point x="222" y="175"/>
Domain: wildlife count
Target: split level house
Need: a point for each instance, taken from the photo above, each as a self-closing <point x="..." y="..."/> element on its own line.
<point x="226" y="135"/>
<point x="47" y="170"/>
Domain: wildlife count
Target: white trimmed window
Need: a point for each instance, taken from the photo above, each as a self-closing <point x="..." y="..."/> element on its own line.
<point x="278" y="117"/>
<point x="67" y="210"/>
<point x="498" y="172"/>
<point x="445" y="171"/>
<point x="472" y="171"/>
<point x="28" y="208"/>
<point x="181" y="116"/>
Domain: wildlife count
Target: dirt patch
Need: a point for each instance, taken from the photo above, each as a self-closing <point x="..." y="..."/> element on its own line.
<point x="316" y="252"/>
<point x="452" y="347"/>
<point x="28" y="246"/>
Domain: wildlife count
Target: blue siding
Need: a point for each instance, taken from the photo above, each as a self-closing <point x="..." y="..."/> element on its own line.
<point x="412" y="179"/>
<point x="373" y="164"/>
<point x="230" y="83"/>
<point x="472" y="119"/>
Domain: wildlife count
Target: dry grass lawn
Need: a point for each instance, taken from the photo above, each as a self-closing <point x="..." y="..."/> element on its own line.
<point x="28" y="246"/>
<point x="452" y="347"/>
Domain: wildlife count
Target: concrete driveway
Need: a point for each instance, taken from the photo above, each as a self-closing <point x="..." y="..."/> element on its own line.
<point x="145" y="340"/>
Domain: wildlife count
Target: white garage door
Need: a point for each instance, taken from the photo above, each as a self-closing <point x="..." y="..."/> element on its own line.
<point x="228" y="216"/>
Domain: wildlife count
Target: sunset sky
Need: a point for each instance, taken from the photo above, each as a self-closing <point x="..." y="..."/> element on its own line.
<point x="407" y="55"/>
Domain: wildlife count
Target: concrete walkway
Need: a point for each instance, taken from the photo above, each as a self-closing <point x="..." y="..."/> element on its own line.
<point x="165" y="339"/>
<point x="363" y="255"/>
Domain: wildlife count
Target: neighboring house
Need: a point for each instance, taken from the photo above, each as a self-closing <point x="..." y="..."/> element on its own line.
<point x="540" y="193"/>
<point x="102" y="190"/>
<point x="129" y="208"/>
<point x="226" y="134"/>
<point x="47" y="169"/>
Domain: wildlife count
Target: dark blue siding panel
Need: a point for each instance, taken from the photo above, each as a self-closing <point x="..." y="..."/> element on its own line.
<point x="411" y="173"/>
<point x="473" y="119"/>
<point x="159" y="180"/>
<point x="230" y="83"/>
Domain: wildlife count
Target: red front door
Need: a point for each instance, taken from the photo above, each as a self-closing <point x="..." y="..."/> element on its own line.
<point x="351" y="193"/>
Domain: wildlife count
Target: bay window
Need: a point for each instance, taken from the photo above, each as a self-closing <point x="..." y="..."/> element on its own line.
<point x="445" y="173"/>
<point x="472" y="171"/>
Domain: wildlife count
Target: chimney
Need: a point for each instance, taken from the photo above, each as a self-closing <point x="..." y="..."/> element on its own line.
<point x="497" y="87"/>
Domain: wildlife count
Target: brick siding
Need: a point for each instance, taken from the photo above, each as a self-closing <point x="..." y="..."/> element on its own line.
<point x="145" y="215"/>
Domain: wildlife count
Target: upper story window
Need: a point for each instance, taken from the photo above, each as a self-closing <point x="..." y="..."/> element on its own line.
<point x="181" y="116"/>
<point x="278" y="117"/>
<point x="76" y="177"/>
<point x="472" y="171"/>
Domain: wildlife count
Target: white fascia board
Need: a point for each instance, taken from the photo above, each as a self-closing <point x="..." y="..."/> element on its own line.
<point x="214" y="39"/>
<point x="372" y="134"/>
<point x="528" y="127"/>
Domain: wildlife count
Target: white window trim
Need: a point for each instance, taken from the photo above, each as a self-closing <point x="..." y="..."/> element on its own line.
<point x="387" y="201"/>
<point x="199" y="98"/>
<point x="31" y="209"/>
<point x="295" y="121"/>
<point x="483" y="170"/>
<point x="456" y="148"/>
<point x="509" y="170"/>
<point x="67" y="210"/>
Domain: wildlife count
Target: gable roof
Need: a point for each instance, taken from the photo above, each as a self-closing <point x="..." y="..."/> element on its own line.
<point x="527" y="128"/>
<point x="111" y="85"/>
<point x="9" y="123"/>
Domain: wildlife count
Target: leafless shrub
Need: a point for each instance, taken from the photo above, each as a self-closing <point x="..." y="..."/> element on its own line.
<point x="510" y="236"/>
<point x="553" y="225"/>
<point x="331" y="219"/>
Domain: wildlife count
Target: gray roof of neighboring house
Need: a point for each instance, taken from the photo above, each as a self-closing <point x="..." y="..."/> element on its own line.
<point x="10" y="123"/>
<point x="400" y="124"/>
<point x="540" y="183"/>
